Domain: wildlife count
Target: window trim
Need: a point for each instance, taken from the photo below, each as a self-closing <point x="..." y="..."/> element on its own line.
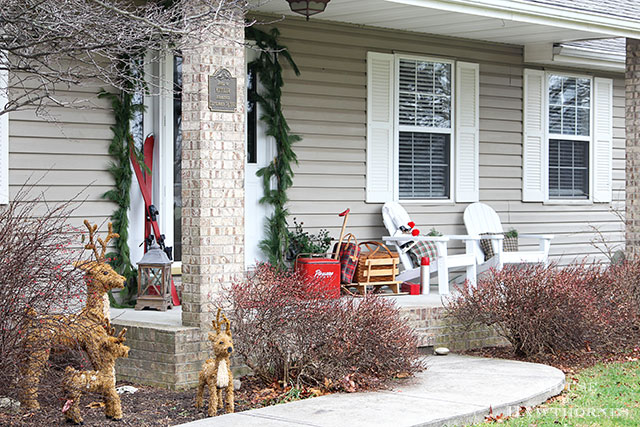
<point x="397" y="128"/>
<point x="548" y="135"/>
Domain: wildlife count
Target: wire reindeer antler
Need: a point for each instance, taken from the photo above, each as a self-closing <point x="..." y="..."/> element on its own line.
<point x="91" y="245"/>
<point x="100" y="257"/>
<point x="104" y="243"/>
<point x="216" y="323"/>
<point x="226" y="322"/>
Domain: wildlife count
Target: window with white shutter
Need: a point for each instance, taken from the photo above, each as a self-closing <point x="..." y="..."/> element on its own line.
<point x="412" y="134"/>
<point x="576" y="129"/>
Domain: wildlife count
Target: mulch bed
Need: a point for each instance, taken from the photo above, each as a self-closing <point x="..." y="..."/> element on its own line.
<point x="150" y="406"/>
<point x="568" y="362"/>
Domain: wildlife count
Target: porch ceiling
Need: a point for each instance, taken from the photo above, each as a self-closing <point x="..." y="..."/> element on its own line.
<point x="502" y="21"/>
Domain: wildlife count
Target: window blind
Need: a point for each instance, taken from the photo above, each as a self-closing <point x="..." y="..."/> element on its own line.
<point x="423" y="165"/>
<point x="568" y="169"/>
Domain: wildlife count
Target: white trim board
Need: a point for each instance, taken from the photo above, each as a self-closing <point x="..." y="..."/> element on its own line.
<point x="541" y="14"/>
<point x="573" y="57"/>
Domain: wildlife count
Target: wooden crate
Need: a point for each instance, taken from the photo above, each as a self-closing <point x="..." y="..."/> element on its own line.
<point x="376" y="268"/>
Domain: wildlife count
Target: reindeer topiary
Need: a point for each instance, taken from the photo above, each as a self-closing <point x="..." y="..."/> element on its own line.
<point x="216" y="373"/>
<point x="80" y="330"/>
<point x="102" y="380"/>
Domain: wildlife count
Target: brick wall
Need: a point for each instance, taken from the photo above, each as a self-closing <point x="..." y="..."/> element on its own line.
<point x="162" y="356"/>
<point x="213" y="174"/>
<point x="632" y="123"/>
<point x="434" y="330"/>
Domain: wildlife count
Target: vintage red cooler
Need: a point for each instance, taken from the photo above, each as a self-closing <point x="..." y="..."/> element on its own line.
<point x="325" y="270"/>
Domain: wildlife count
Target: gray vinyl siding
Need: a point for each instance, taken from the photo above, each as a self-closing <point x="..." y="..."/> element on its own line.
<point x="326" y="105"/>
<point x="63" y="153"/>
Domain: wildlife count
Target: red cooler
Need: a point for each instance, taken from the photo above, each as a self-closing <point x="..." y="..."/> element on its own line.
<point x="325" y="270"/>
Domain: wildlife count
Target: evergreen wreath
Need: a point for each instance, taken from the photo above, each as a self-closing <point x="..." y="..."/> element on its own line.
<point x="279" y="171"/>
<point x="120" y="169"/>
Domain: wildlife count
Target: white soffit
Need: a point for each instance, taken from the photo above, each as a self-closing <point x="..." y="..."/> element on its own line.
<point x="574" y="57"/>
<point x="502" y="21"/>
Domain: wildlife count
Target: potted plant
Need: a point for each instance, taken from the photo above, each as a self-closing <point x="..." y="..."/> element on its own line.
<point x="511" y="241"/>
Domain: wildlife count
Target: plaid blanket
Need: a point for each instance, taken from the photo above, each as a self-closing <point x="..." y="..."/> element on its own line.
<point x="510" y="244"/>
<point x="423" y="249"/>
<point x="349" y="253"/>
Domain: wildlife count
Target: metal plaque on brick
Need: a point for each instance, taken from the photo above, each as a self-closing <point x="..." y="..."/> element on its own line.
<point x="222" y="91"/>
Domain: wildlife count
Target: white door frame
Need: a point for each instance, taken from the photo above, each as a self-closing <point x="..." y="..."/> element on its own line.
<point x="255" y="213"/>
<point x="157" y="120"/>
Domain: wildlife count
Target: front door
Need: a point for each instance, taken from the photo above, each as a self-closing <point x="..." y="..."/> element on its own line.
<point x="259" y="153"/>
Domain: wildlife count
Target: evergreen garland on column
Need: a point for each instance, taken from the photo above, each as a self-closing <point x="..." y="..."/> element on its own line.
<point x="277" y="177"/>
<point x="120" y="169"/>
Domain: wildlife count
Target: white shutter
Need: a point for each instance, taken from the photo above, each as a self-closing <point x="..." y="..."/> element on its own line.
<point x="380" y="156"/>
<point x="467" y="131"/>
<point x="533" y="167"/>
<point x="602" y="139"/>
<point x="4" y="139"/>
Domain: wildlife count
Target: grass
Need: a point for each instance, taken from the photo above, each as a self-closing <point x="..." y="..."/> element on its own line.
<point x="604" y="395"/>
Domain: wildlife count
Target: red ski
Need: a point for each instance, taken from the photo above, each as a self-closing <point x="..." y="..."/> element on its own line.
<point x="151" y="228"/>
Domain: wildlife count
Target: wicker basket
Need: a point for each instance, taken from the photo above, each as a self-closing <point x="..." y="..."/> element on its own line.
<point x="379" y="264"/>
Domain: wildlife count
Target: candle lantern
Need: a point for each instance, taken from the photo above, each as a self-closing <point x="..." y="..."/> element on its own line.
<point x="154" y="280"/>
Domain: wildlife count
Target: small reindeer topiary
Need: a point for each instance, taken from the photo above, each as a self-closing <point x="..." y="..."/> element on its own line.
<point x="216" y="373"/>
<point x="102" y="380"/>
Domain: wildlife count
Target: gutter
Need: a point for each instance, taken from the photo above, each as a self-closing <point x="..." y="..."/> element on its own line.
<point x="519" y="11"/>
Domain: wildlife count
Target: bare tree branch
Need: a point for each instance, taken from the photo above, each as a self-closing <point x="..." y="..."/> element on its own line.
<point x="53" y="45"/>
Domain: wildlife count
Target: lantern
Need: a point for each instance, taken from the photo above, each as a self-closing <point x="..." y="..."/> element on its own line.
<point x="154" y="280"/>
<point x="308" y="7"/>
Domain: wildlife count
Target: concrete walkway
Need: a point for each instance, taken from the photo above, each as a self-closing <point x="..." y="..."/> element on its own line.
<point x="454" y="390"/>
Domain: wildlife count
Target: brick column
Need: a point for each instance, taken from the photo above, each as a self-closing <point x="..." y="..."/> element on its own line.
<point x="632" y="122"/>
<point x="212" y="174"/>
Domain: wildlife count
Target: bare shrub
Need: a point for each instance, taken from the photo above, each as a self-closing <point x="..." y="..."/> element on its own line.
<point x="541" y="308"/>
<point x="617" y="293"/>
<point x="287" y="330"/>
<point x="37" y="279"/>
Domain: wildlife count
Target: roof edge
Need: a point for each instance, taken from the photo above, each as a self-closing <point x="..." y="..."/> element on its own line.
<point x="542" y="14"/>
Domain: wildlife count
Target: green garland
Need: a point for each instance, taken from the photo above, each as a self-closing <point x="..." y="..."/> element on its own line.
<point x="124" y="110"/>
<point x="269" y="72"/>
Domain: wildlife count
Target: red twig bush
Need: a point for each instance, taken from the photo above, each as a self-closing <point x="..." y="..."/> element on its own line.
<point x="287" y="330"/>
<point x="541" y="308"/>
<point x="36" y="277"/>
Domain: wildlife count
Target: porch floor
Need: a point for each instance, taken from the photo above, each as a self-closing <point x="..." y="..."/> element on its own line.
<point x="173" y="317"/>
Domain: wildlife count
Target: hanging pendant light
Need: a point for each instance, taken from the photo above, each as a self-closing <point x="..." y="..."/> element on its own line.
<point x="308" y="7"/>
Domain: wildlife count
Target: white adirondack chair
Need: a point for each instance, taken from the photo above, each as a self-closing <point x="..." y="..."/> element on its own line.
<point x="394" y="216"/>
<point x="480" y="218"/>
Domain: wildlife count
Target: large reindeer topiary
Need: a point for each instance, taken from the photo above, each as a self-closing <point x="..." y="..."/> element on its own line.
<point x="216" y="373"/>
<point x="102" y="380"/>
<point x="82" y="330"/>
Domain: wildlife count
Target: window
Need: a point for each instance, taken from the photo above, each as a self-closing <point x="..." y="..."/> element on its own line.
<point x="424" y="129"/>
<point x="569" y="137"/>
<point x="415" y="145"/>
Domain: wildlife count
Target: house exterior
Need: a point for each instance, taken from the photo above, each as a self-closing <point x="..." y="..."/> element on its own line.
<point x="520" y="104"/>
